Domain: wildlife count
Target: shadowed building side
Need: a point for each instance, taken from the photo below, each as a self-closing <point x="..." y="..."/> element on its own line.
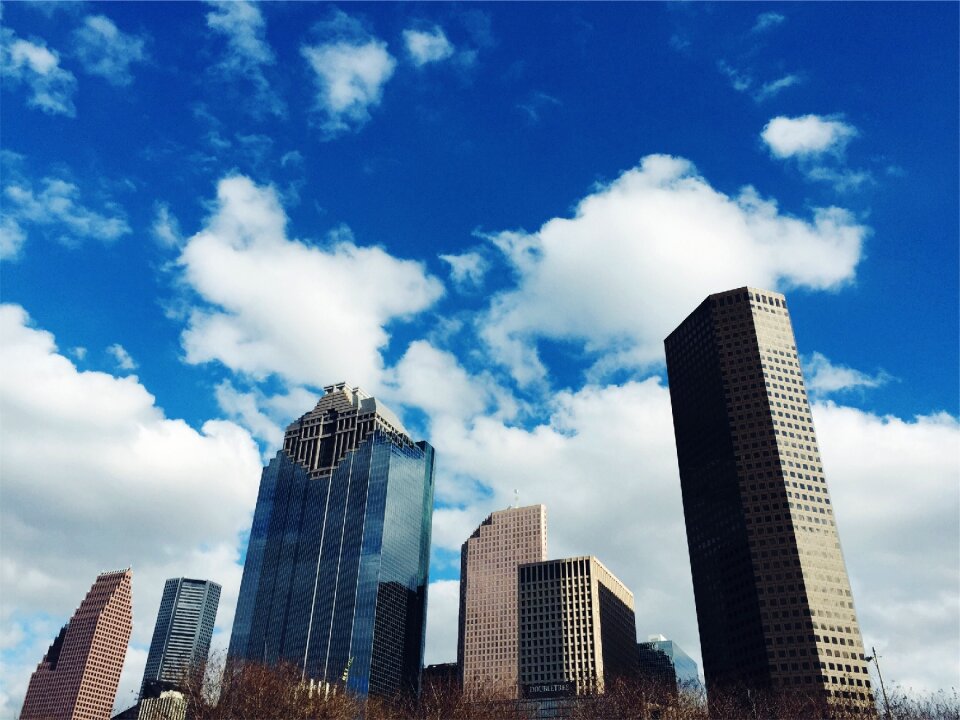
<point x="773" y="599"/>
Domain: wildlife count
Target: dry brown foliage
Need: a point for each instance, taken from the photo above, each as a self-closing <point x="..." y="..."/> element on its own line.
<point x="254" y="692"/>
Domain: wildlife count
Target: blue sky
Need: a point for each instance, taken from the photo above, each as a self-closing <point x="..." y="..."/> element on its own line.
<point x="489" y="215"/>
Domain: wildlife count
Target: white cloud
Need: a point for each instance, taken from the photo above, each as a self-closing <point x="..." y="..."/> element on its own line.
<point x="805" y="136"/>
<point x="534" y="106"/>
<point x="824" y="377"/>
<point x="56" y="207"/>
<point x="773" y="88"/>
<point x="427" y="46"/>
<point x="245" y="409"/>
<point x="94" y="477"/>
<point x="739" y="80"/>
<point x="468" y="269"/>
<point x="272" y="304"/>
<point x="895" y="486"/>
<point x="122" y="357"/>
<point x="349" y="75"/>
<point x="12" y="238"/>
<point x="605" y="467"/>
<point x="248" y="52"/>
<point x="443" y="609"/>
<point x="768" y="20"/>
<point x="433" y="381"/>
<point x="34" y="64"/>
<point x="643" y="250"/>
<point x="166" y="227"/>
<point x="604" y="463"/>
<point x="818" y="146"/>
<point x="105" y="50"/>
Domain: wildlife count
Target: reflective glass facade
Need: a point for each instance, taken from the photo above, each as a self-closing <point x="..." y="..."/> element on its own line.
<point x="663" y="660"/>
<point x="181" y="637"/>
<point x="335" y="578"/>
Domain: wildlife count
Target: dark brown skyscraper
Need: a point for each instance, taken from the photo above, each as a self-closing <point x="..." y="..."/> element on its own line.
<point x="78" y="677"/>
<point x="773" y="599"/>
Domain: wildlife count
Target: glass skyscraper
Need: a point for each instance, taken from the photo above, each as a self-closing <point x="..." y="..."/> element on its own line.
<point x="662" y="660"/>
<point x="181" y="637"/>
<point x="335" y="578"/>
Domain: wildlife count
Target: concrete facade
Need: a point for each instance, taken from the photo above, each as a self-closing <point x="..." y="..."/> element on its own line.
<point x="487" y="637"/>
<point x="577" y="628"/>
<point x="79" y="675"/>
<point x="773" y="599"/>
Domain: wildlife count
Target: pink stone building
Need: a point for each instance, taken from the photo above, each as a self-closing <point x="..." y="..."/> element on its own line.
<point x="487" y="639"/>
<point x="78" y="677"/>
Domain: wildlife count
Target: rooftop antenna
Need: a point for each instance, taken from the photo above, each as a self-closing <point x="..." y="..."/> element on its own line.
<point x="516" y="498"/>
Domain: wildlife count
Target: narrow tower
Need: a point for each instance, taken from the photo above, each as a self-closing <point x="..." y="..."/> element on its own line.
<point x="771" y="588"/>
<point x="335" y="579"/>
<point x="487" y="637"/>
<point x="79" y="675"/>
<point x="181" y="637"/>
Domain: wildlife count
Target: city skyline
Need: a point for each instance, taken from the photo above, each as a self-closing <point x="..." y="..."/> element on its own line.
<point x="510" y="207"/>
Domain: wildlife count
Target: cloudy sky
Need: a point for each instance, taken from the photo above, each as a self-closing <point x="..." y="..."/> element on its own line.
<point x="490" y="216"/>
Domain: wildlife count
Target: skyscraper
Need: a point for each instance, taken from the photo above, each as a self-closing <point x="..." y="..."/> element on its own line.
<point x="335" y="578"/>
<point x="487" y="637"/>
<point x="181" y="637"/>
<point x="78" y="677"/>
<point x="577" y="628"/>
<point x="662" y="660"/>
<point x="771" y="588"/>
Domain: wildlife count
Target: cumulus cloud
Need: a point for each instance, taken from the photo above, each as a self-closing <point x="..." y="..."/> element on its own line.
<point x="94" y="477"/>
<point x="349" y="76"/>
<point x="38" y="67"/>
<point x="105" y="50"/>
<point x="895" y="486"/>
<point x="54" y="206"/>
<point x="427" y="46"/>
<point x="604" y="463"/>
<point x="806" y="136"/>
<point x="818" y="145"/>
<point x="468" y="269"/>
<point x="122" y="357"/>
<point x="270" y="304"/>
<point x="643" y="250"/>
<point x="248" y="51"/>
<point x="825" y="377"/>
<point x="443" y="609"/>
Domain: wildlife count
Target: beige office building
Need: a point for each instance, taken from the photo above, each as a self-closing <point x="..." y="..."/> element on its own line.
<point x="487" y="638"/>
<point x="772" y="594"/>
<point x="577" y="628"/>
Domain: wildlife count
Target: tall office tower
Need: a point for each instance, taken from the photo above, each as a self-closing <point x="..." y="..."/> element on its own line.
<point x="181" y="637"/>
<point x="662" y="660"/>
<point x="78" y="677"/>
<point x="487" y="637"/>
<point x="771" y="589"/>
<point x="335" y="579"/>
<point x="577" y="628"/>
